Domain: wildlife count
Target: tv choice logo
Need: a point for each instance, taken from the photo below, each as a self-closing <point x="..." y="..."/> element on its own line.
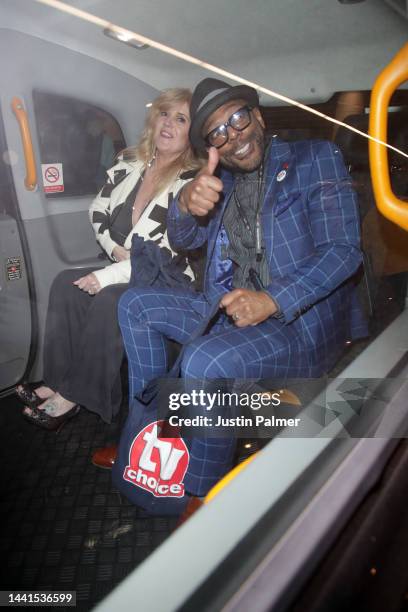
<point x="157" y="465"/>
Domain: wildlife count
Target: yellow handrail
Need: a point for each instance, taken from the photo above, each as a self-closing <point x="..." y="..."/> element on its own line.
<point x="30" y="180"/>
<point x="388" y="80"/>
<point x="227" y="479"/>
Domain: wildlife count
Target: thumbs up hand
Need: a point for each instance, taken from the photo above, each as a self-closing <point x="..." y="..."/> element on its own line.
<point x="201" y="195"/>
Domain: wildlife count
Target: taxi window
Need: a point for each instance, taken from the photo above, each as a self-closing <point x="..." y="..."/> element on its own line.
<point x="382" y="280"/>
<point x="82" y="137"/>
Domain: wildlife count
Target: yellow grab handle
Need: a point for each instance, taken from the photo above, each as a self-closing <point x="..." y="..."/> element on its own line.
<point x="30" y="180"/>
<point x="388" y="80"/>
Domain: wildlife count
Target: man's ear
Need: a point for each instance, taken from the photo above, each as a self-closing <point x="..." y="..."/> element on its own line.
<point x="258" y="116"/>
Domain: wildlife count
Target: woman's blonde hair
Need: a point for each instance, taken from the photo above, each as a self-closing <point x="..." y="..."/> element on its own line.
<point x="145" y="150"/>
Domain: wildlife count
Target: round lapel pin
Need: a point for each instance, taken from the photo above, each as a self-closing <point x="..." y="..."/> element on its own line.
<point x="281" y="176"/>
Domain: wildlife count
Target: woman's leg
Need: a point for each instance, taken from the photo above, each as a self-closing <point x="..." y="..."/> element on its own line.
<point x="83" y="348"/>
<point x="66" y="315"/>
<point x="65" y="311"/>
<point x="93" y="377"/>
<point x="67" y="308"/>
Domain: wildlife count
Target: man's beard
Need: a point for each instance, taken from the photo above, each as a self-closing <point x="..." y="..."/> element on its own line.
<point x="258" y="138"/>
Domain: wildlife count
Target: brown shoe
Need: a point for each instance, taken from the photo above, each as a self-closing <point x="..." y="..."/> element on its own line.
<point x="105" y="457"/>
<point x="193" y="505"/>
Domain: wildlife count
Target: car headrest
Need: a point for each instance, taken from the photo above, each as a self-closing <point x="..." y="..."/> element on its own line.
<point x="353" y="146"/>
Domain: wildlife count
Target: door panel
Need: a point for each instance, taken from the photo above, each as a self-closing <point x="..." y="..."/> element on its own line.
<point x="15" y="317"/>
<point x="57" y="228"/>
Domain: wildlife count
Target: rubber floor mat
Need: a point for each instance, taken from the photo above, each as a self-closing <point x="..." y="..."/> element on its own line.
<point x="63" y="525"/>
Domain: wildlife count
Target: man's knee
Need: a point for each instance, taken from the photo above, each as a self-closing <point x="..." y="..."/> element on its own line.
<point x="136" y="306"/>
<point x="199" y="363"/>
<point x="214" y="357"/>
<point x="129" y="304"/>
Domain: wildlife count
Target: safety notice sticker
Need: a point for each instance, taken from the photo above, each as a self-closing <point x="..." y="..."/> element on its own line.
<point x="53" y="178"/>
<point x="13" y="268"/>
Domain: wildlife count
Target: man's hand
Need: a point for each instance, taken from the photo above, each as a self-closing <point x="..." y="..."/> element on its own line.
<point x="248" y="307"/>
<point x="201" y="195"/>
<point x="88" y="283"/>
<point x="120" y="253"/>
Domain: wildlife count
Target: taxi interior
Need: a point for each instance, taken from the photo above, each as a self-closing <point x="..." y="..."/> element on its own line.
<point x="314" y="522"/>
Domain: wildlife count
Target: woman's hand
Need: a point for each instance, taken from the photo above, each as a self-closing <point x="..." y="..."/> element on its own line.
<point x="88" y="283"/>
<point x="119" y="253"/>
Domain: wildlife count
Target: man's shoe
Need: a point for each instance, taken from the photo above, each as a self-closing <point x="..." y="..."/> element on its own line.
<point x="105" y="457"/>
<point x="193" y="505"/>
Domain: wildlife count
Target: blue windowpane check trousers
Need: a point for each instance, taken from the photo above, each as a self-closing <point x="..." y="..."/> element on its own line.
<point x="148" y="316"/>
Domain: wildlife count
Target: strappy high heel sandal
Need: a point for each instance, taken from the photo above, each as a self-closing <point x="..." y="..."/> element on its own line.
<point x="27" y="395"/>
<point x="46" y="421"/>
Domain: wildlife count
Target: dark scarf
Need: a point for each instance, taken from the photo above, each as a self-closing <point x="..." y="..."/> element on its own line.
<point x="240" y="224"/>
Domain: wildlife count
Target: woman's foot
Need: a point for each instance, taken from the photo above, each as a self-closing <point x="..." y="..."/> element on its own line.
<point x="54" y="406"/>
<point x="51" y="414"/>
<point x="44" y="392"/>
<point x="33" y="397"/>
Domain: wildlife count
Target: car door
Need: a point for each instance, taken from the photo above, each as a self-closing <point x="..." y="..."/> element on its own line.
<point x="80" y="112"/>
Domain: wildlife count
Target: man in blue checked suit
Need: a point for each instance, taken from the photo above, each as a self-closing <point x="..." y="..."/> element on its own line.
<point x="282" y="231"/>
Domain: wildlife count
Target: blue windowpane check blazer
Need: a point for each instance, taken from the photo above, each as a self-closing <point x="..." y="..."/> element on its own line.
<point x="311" y="235"/>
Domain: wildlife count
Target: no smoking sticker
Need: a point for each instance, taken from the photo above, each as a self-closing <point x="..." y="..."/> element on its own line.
<point x="53" y="178"/>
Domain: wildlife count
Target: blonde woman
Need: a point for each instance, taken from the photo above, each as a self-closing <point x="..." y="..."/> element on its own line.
<point x="83" y="348"/>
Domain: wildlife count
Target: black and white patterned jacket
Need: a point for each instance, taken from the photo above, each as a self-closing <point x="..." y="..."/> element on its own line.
<point x="122" y="180"/>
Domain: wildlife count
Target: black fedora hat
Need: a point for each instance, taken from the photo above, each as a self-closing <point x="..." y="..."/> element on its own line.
<point x="209" y="95"/>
